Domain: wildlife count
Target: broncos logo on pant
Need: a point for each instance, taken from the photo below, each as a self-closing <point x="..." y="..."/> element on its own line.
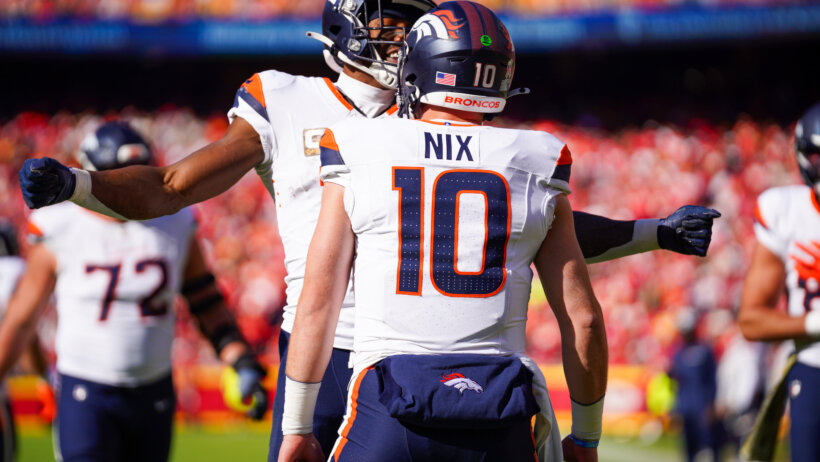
<point x="461" y="383"/>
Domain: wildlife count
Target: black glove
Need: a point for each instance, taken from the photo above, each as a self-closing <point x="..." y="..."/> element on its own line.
<point x="45" y="182"/>
<point x="250" y="374"/>
<point x="688" y="230"/>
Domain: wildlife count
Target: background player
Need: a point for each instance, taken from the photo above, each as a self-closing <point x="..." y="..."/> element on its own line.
<point x="115" y="284"/>
<point x="433" y="310"/>
<point x="11" y="268"/>
<point x="277" y="120"/>
<point x="787" y="258"/>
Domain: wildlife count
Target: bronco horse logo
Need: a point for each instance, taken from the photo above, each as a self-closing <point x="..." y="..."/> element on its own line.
<point x="441" y="24"/>
<point x="461" y="383"/>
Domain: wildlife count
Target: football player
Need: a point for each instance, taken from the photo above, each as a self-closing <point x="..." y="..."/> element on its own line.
<point x="32" y="360"/>
<point x="446" y="217"/>
<point x="11" y="267"/>
<point x="114" y="282"/>
<point x="277" y="121"/>
<point x="786" y="258"/>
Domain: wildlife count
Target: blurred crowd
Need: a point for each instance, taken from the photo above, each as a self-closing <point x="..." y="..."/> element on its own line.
<point x="261" y="10"/>
<point x="636" y="172"/>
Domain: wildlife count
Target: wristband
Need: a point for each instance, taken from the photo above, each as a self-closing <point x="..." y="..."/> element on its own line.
<point x="300" y="402"/>
<point x="587" y="420"/>
<point x="583" y="443"/>
<point x="812" y="323"/>
<point x="645" y="234"/>
<point x="82" y="195"/>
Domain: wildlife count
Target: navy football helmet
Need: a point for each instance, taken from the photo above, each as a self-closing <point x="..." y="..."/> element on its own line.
<point x="346" y="34"/>
<point x="113" y="145"/>
<point x="457" y="56"/>
<point x="9" y="246"/>
<point x="807" y="146"/>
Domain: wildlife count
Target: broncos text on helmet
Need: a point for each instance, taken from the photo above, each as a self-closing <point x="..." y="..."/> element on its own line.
<point x="807" y="147"/>
<point x="458" y="56"/>
<point x="346" y="34"/>
<point x="113" y="145"/>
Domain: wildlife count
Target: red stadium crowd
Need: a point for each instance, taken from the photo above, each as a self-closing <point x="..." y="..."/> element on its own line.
<point x="636" y="172"/>
<point x="261" y="10"/>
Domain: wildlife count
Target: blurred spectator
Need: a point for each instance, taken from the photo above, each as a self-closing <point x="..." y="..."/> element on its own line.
<point x="694" y="369"/>
<point x="259" y="10"/>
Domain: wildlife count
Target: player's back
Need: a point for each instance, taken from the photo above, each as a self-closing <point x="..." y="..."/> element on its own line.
<point x="116" y="283"/>
<point x="448" y="219"/>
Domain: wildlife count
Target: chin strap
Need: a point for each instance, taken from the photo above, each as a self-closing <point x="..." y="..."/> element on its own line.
<point x="377" y="70"/>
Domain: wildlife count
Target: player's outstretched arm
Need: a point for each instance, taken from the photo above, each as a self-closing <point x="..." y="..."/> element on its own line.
<point x="142" y="192"/>
<point x="687" y="231"/>
<point x="27" y="304"/>
<point x="327" y="273"/>
<point x="206" y="303"/>
<point x="763" y="287"/>
<point x="564" y="276"/>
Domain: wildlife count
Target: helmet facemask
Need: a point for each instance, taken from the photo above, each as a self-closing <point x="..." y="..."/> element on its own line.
<point x="355" y="33"/>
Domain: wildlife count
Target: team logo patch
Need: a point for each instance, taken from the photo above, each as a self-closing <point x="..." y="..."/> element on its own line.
<point x="461" y="383"/>
<point x="444" y="78"/>
<point x="311" y="138"/>
<point x="441" y="25"/>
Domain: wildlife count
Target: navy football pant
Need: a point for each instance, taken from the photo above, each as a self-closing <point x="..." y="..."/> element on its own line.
<point x="330" y="406"/>
<point x="803" y="383"/>
<point x="8" y="437"/>
<point x="104" y="423"/>
<point x="371" y="434"/>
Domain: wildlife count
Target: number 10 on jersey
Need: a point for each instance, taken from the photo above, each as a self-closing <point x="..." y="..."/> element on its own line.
<point x="448" y="187"/>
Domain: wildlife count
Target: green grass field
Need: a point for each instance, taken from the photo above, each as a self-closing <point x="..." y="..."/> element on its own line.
<point x="194" y="444"/>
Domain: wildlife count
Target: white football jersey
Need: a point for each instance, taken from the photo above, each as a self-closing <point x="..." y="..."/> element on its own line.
<point x="448" y="219"/>
<point x="290" y="114"/>
<point x="788" y="224"/>
<point x="116" y="283"/>
<point x="11" y="268"/>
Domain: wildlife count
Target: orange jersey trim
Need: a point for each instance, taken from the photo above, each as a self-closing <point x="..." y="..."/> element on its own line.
<point x="337" y="94"/>
<point x="759" y="216"/>
<point x="254" y="86"/>
<point x="566" y="156"/>
<point x="328" y="141"/>
<point x="31" y="228"/>
<point x="814" y="201"/>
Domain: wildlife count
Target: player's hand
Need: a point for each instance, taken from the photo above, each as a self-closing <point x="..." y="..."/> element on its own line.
<point x="688" y="230"/>
<point x="300" y="448"/>
<point x="575" y="453"/>
<point x="251" y="390"/>
<point x="242" y="387"/>
<point x="45" y="181"/>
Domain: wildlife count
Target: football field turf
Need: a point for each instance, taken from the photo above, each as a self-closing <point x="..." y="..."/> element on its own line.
<point x="194" y="444"/>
